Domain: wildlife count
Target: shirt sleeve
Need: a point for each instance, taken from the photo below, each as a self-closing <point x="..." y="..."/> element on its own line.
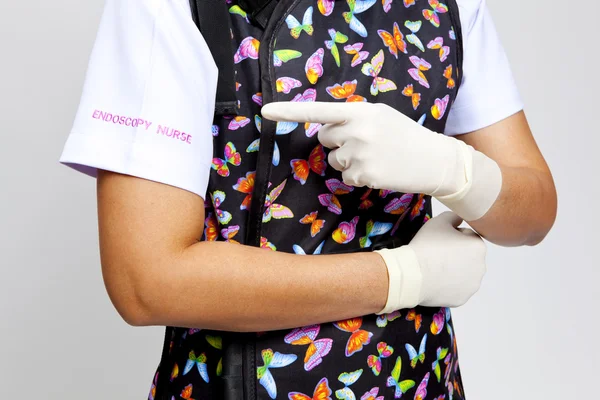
<point x="148" y="99"/>
<point x="488" y="93"/>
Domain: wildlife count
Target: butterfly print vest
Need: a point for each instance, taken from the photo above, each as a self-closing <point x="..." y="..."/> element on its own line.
<point x="271" y="187"/>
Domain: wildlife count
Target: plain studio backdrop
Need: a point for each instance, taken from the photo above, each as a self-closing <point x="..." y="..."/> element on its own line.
<point x="530" y="333"/>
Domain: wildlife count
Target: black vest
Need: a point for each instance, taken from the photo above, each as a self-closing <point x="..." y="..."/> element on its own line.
<point x="271" y="186"/>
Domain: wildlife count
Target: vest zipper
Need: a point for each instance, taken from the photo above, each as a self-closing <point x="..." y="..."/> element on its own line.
<point x="268" y="129"/>
<point x="263" y="170"/>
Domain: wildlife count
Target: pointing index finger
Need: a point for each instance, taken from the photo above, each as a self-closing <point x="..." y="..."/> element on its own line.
<point x="318" y="112"/>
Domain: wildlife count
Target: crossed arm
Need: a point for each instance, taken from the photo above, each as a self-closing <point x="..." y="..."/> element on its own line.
<point x="157" y="273"/>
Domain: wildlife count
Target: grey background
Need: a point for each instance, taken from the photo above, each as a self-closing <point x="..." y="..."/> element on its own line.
<point x="531" y="332"/>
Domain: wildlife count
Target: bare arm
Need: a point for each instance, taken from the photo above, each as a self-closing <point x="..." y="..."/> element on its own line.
<point x="526" y="207"/>
<point x="158" y="273"/>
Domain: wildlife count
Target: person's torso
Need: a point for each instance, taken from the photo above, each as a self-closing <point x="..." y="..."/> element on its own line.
<point x="271" y="186"/>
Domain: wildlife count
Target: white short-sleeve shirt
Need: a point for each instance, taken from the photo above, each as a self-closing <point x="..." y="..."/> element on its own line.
<point x="148" y="100"/>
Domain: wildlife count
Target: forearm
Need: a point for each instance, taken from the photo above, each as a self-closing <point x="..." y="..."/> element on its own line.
<point x="157" y="273"/>
<point x="495" y="177"/>
<point x="232" y="287"/>
<point x="524" y="211"/>
<point x="525" y="208"/>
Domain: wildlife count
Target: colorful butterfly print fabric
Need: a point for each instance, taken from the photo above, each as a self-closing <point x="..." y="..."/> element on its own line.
<point x="271" y="186"/>
<point x="317" y="348"/>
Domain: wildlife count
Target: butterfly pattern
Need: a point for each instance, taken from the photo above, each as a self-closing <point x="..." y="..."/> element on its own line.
<point x="404" y="53"/>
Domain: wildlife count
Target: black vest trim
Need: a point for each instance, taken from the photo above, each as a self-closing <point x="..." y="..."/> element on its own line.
<point x="163" y="375"/>
<point x="213" y="21"/>
<point x="454" y="12"/>
<point x="259" y="11"/>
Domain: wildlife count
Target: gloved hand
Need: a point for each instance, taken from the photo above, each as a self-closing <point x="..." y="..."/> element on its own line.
<point x="376" y="146"/>
<point x="441" y="267"/>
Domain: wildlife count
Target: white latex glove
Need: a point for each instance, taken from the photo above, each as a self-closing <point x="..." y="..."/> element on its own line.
<point x="376" y="146"/>
<point x="441" y="267"/>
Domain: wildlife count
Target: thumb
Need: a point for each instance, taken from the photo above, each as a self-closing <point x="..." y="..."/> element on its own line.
<point x="319" y="112"/>
<point x="449" y="218"/>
